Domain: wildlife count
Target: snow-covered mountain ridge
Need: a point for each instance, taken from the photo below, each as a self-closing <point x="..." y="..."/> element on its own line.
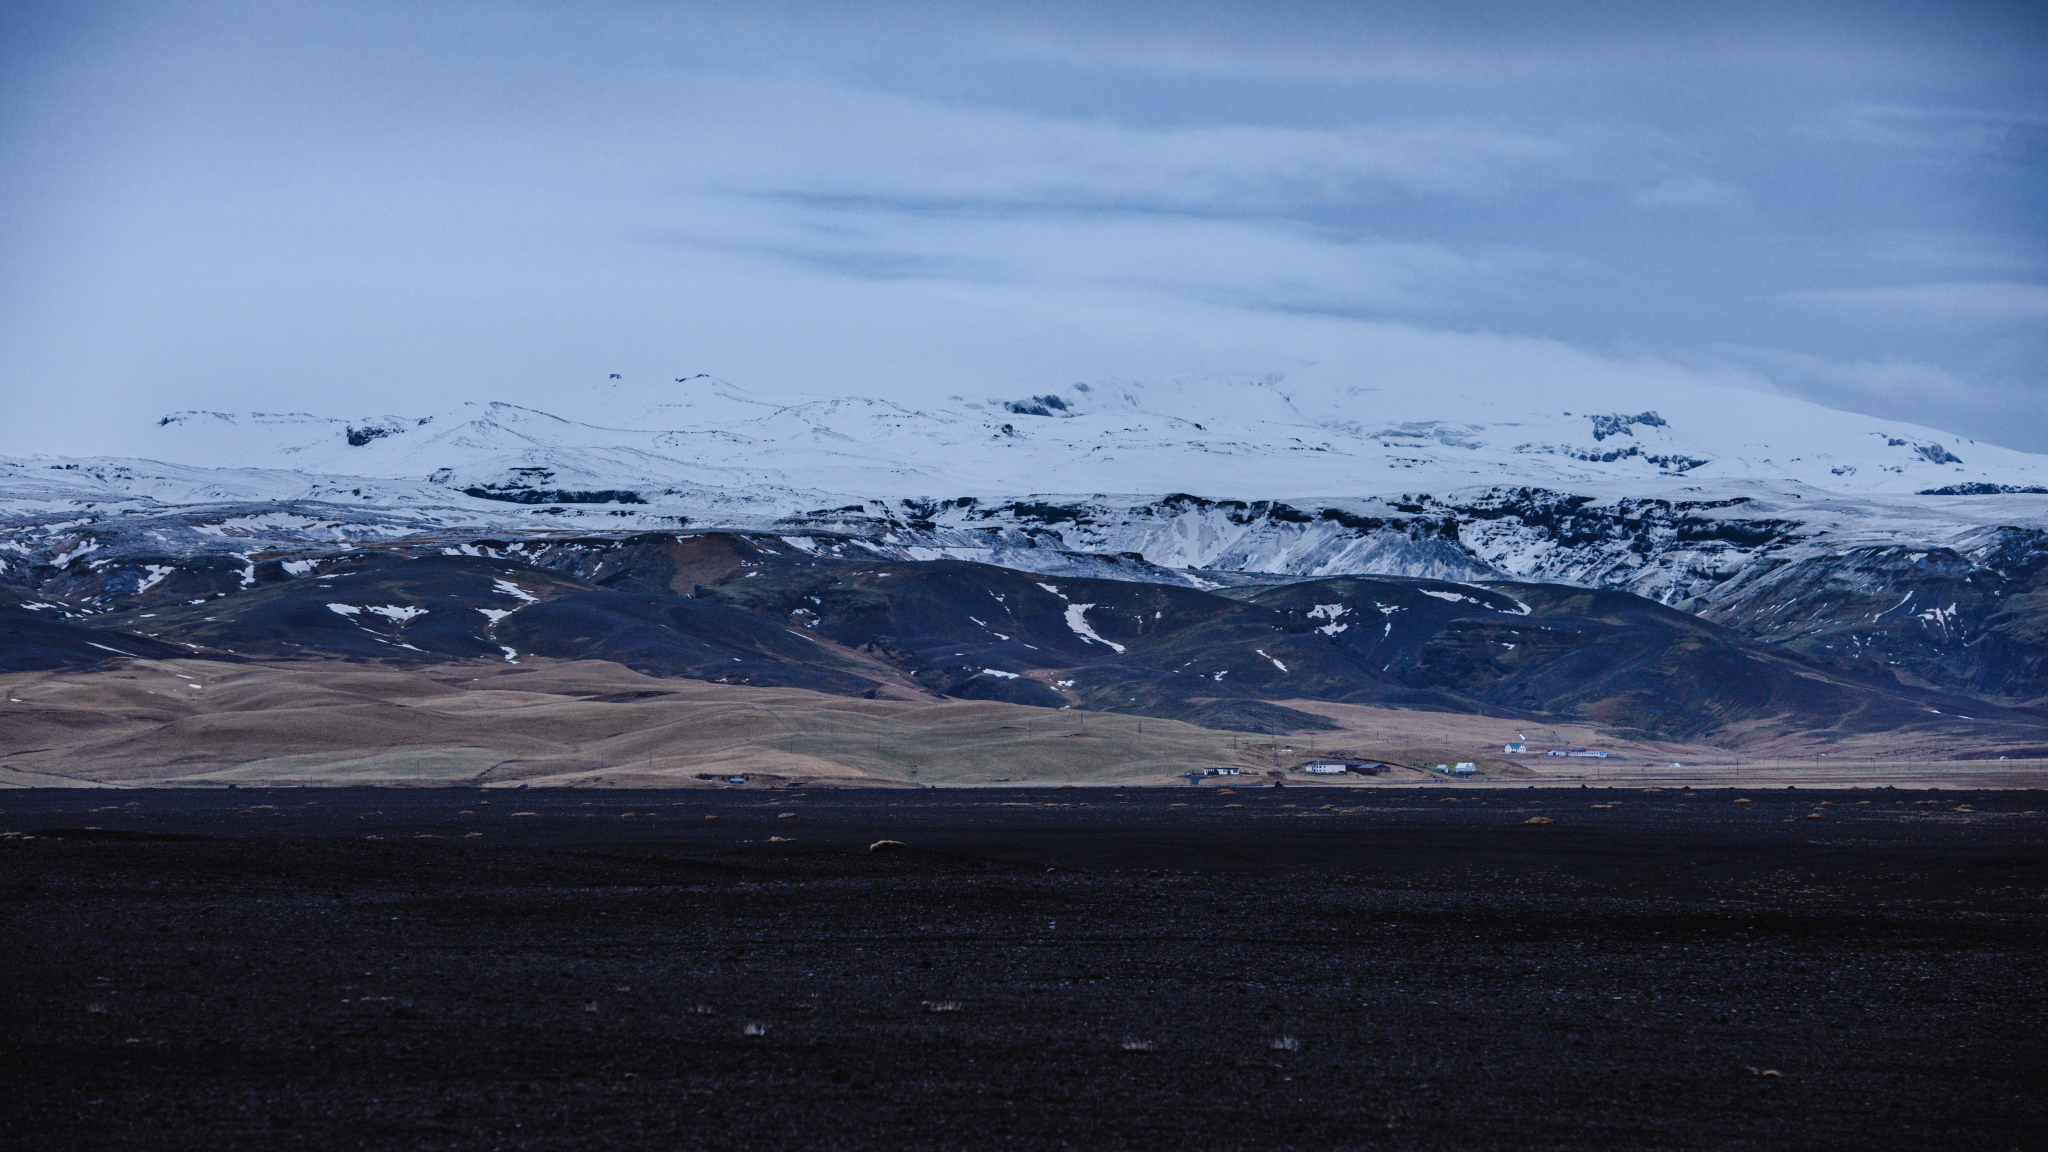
<point x="1312" y="482"/>
<point x="1247" y="441"/>
<point x="1692" y="498"/>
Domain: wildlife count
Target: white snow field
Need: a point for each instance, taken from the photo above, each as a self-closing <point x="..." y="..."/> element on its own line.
<point x="1466" y="481"/>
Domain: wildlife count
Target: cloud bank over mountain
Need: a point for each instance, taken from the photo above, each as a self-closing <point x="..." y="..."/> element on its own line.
<point x="271" y="206"/>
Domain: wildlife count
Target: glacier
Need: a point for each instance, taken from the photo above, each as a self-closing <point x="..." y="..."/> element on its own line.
<point x="1666" y="494"/>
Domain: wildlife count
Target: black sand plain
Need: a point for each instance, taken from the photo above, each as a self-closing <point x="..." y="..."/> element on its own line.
<point x="1078" y="968"/>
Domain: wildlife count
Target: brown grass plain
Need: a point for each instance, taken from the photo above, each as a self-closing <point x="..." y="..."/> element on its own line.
<point x="594" y="724"/>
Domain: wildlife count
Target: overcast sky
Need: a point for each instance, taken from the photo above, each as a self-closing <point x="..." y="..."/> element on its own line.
<point x="356" y="208"/>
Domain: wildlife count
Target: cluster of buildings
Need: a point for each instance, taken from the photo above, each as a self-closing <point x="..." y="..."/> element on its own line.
<point x="1313" y="768"/>
<point x="1336" y="767"/>
<point x="1341" y="767"/>
<point x="1519" y="746"/>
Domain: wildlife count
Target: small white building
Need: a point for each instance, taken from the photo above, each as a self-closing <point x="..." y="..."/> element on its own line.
<point x="1465" y="768"/>
<point x="1514" y="748"/>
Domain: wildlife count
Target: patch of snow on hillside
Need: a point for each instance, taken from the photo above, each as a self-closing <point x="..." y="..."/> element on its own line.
<point x="88" y="546"/>
<point x="396" y="612"/>
<point x="506" y="587"/>
<point x="1941" y="616"/>
<point x="1329" y="612"/>
<point x="991" y="631"/>
<point x="1521" y="609"/>
<point x="1077" y="620"/>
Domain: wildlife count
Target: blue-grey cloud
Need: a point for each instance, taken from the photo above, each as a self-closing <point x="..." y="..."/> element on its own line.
<point x="1937" y="304"/>
<point x="355" y="207"/>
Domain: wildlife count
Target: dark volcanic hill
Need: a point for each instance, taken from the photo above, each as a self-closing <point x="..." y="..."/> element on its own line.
<point x="824" y="615"/>
<point x="37" y="634"/>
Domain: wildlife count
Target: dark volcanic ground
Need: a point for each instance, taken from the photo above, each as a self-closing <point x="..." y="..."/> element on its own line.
<point x="354" y="968"/>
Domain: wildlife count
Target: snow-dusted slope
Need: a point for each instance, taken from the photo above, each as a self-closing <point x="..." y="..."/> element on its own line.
<point x="1668" y="492"/>
<point x="1257" y="440"/>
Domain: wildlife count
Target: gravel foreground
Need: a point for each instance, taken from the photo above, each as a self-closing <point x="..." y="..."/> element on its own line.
<point x="442" y="968"/>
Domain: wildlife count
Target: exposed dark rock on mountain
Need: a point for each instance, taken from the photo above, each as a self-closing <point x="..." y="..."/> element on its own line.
<point x="555" y="495"/>
<point x="1976" y="620"/>
<point x="1618" y="425"/>
<point x="1982" y="489"/>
